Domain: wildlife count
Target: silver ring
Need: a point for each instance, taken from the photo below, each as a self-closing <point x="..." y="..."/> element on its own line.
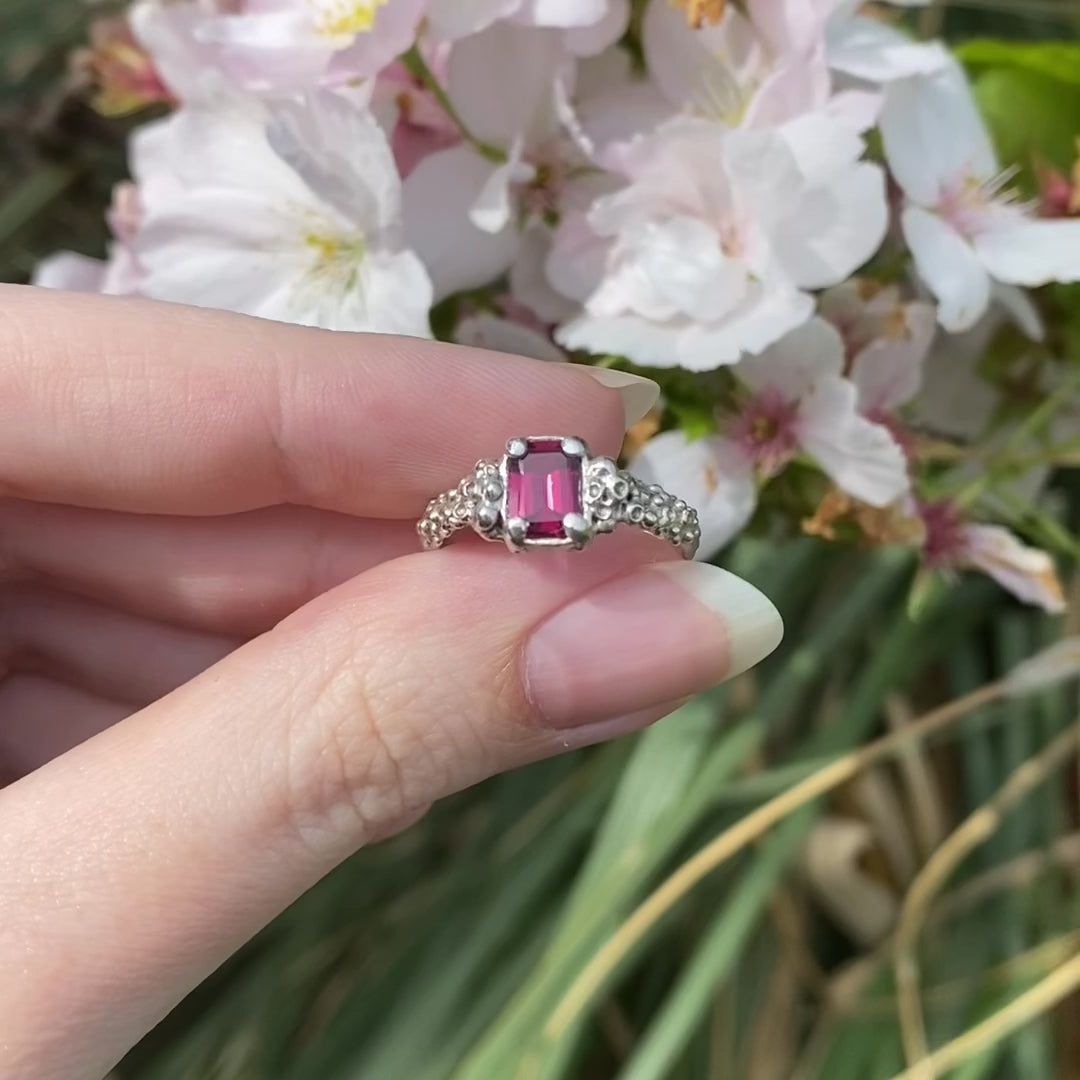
<point x="548" y="491"/>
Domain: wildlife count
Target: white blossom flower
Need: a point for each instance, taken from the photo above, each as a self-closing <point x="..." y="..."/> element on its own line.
<point x="952" y="544"/>
<point x="467" y="211"/>
<point x="712" y="245"/>
<point x="293" y="45"/>
<point x="887" y="341"/>
<point x="965" y="228"/>
<point x="797" y="401"/>
<point x="521" y="337"/>
<point x="711" y="474"/>
<point x="169" y="31"/>
<point x="589" y="26"/>
<point x="766" y="68"/>
<point x="118" y="275"/>
<point x="869" y="49"/>
<point x="290" y="212"/>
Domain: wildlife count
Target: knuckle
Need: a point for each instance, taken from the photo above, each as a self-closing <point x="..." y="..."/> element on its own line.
<point x="358" y="761"/>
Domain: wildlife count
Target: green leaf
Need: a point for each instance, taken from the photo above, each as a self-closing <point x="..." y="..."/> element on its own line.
<point x="721" y="945"/>
<point x="1058" y="60"/>
<point x="1033" y="118"/>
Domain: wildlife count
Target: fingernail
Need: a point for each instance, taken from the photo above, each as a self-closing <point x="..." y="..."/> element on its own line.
<point x="661" y="633"/>
<point x="638" y="395"/>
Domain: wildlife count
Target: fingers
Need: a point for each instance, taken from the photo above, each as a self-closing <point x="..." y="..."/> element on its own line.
<point x="71" y="668"/>
<point x="234" y="794"/>
<point x="108" y="653"/>
<point x="40" y="719"/>
<point x="236" y="574"/>
<point x="132" y="405"/>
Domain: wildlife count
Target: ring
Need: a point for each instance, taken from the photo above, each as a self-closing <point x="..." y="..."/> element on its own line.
<point x="548" y="491"/>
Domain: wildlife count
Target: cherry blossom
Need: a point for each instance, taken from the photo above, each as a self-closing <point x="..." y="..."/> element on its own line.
<point x="282" y="46"/>
<point x="589" y="26"/>
<point x="420" y="125"/>
<point x="290" y="212"/>
<point x="713" y="244"/>
<point x="868" y="49"/>
<point x="118" y="275"/>
<point x="964" y="225"/>
<point x="953" y="544"/>
<point x="516" y="332"/>
<point x="468" y="208"/>
<point x="887" y="342"/>
<point x="796" y="401"/>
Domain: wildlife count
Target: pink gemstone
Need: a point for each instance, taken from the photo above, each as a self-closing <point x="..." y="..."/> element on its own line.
<point x="543" y="487"/>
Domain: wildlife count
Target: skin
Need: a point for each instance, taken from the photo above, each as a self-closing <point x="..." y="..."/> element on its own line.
<point x="225" y="664"/>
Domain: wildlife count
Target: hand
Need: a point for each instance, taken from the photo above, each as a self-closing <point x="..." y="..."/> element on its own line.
<point x="228" y="666"/>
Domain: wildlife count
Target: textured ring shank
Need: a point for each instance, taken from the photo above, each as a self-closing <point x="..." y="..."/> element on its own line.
<point x="613" y="497"/>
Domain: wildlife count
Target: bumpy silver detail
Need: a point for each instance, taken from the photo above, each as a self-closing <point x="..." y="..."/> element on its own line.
<point x="610" y="497"/>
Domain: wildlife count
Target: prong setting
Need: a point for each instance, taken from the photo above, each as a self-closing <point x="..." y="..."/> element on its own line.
<point x="517" y="530"/>
<point x="577" y="530"/>
<point x="573" y="447"/>
<point x="517" y="448"/>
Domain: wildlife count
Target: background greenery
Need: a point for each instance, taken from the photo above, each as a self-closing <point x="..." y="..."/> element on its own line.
<point x="465" y="948"/>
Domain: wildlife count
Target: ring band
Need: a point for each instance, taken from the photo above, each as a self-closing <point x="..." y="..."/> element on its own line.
<point x="549" y="491"/>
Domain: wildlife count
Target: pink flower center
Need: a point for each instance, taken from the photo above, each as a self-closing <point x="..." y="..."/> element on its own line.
<point x="766" y="430"/>
<point x="945" y="543"/>
<point x="540" y="196"/>
<point x="973" y="205"/>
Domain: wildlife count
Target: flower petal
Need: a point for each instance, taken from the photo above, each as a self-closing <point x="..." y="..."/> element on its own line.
<point x="71" y="272"/>
<point x="340" y="152"/>
<point x="869" y="49"/>
<point x="1032" y="252"/>
<point x="486" y="331"/>
<point x="795" y="363"/>
<point x="436" y="200"/>
<point x="682" y="61"/>
<point x="949" y="266"/>
<point x="934" y="135"/>
<point x="651" y="344"/>
<point x="529" y="284"/>
<point x="1026" y="572"/>
<point x="523" y="64"/>
<point x="491" y="210"/>
<point x="862" y="457"/>
<point x="711" y="474"/>
<point x="888" y="371"/>
<point x="834" y="229"/>
<point x="452" y="19"/>
<point x="604" y="32"/>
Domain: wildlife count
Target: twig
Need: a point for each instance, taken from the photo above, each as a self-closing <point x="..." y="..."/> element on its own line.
<point x="417" y="66"/>
<point x="585" y="988"/>
<point x="939" y="867"/>
<point x="1042" y="997"/>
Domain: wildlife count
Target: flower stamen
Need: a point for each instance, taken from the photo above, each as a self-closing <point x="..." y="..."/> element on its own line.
<point x="345" y="18"/>
<point x="976" y="204"/>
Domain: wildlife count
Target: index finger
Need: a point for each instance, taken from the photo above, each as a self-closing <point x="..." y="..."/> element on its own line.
<point x="134" y="405"/>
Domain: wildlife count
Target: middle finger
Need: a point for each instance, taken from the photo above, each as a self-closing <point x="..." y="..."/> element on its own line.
<point x="236" y="574"/>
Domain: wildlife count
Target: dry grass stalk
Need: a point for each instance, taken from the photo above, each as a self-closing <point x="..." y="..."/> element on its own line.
<point x="1041" y="998"/>
<point x="977" y="828"/>
<point x="928" y="818"/>
<point x="739" y="836"/>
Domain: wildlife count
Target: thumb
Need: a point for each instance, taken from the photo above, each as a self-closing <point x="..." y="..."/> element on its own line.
<point x="162" y="844"/>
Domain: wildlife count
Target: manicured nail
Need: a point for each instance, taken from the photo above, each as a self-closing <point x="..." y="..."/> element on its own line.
<point x="656" y="635"/>
<point x="638" y="395"/>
